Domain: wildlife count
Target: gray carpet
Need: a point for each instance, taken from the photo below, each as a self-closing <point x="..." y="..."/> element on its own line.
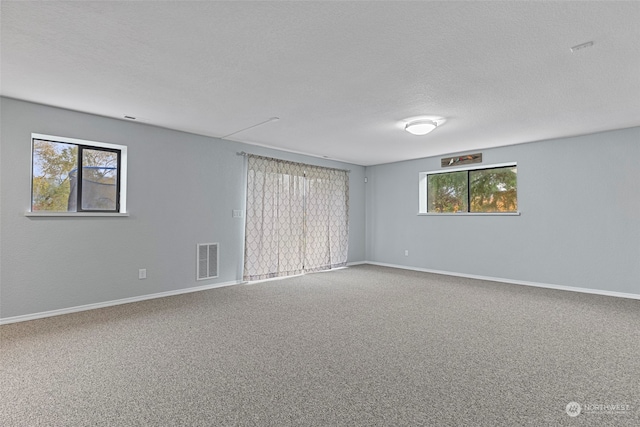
<point x="363" y="346"/>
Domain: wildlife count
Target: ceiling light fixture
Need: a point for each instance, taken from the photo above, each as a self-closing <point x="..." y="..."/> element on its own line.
<point x="421" y="127"/>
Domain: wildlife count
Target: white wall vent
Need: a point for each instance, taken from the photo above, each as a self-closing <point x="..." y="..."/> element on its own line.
<point x="207" y="261"/>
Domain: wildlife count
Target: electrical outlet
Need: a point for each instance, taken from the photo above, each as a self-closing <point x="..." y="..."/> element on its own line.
<point x="406" y="252"/>
<point x="142" y="273"/>
<point x="237" y="213"/>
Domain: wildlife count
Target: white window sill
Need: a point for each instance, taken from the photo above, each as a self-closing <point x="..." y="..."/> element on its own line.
<point x="75" y="214"/>
<point x="470" y="214"/>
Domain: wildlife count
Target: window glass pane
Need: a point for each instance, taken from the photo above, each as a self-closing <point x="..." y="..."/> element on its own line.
<point x="494" y="190"/>
<point x="447" y="192"/>
<point x="99" y="180"/>
<point x="54" y="164"/>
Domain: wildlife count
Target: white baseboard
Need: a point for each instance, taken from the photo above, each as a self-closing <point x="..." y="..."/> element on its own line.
<point x="511" y="281"/>
<point x="33" y="316"/>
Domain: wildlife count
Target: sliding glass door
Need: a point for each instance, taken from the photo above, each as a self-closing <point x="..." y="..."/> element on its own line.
<point x="297" y="218"/>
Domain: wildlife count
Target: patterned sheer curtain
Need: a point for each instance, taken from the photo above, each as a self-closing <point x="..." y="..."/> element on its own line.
<point x="297" y="218"/>
<point x="326" y="219"/>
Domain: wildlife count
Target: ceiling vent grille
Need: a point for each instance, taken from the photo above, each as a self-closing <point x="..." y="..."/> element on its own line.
<point x="207" y="261"/>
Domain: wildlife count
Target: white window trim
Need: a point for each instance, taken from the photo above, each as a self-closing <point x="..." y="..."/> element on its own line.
<point x="123" y="176"/>
<point x="422" y="192"/>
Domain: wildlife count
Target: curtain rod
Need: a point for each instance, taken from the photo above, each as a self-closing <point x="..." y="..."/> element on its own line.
<point x="243" y="154"/>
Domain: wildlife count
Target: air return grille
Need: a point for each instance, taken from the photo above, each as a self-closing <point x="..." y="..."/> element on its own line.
<point x="207" y="261"/>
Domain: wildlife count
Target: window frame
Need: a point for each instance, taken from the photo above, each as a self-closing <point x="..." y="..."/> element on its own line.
<point x="423" y="188"/>
<point x="121" y="184"/>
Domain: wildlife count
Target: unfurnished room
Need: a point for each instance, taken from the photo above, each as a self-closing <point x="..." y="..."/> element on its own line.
<point x="319" y="213"/>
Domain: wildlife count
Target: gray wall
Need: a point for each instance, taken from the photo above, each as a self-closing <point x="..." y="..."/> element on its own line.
<point x="182" y="189"/>
<point x="579" y="198"/>
<point x="580" y="222"/>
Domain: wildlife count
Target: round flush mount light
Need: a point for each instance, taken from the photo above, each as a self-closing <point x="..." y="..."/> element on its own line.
<point x="421" y="127"/>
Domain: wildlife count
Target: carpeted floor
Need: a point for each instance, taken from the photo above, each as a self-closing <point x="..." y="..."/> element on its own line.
<point x="363" y="346"/>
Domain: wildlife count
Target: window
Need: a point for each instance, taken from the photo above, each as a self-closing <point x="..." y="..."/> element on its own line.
<point x="491" y="189"/>
<point x="73" y="175"/>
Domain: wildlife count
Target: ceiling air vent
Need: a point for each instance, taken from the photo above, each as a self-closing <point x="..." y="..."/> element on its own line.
<point x="207" y="261"/>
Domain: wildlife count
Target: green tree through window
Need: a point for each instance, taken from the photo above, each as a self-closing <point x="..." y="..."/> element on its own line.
<point x="52" y="164"/>
<point x="70" y="175"/>
<point x="494" y="190"/>
<point x="448" y="192"/>
<point x="476" y="190"/>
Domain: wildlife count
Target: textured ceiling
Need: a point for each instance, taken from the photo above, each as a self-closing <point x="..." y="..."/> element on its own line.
<point x="341" y="76"/>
